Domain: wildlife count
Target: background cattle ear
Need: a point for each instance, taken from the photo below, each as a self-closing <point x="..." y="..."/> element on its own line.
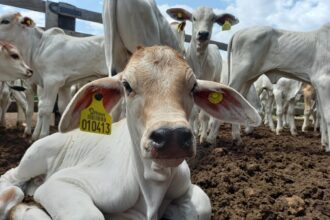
<point x="28" y="22"/>
<point x="221" y="19"/>
<point x="109" y="88"/>
<point x="225" y="103"/>
<point x="179" y="14"/>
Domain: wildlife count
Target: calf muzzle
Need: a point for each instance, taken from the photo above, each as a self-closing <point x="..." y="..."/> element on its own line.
<point x="172" y="143"/>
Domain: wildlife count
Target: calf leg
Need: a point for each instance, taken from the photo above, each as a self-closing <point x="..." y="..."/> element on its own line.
<point x="214" y="131"/>
<point x="307" y="112"/>
<point x="323" y="91"/>
<point x="28" y="212"/>
<point x="53" y="194"/>
<point x="36" y="161"/>
<point x="203" y="119"/>
<point x="269" y="111"/>
<point x="64" y="97"/>
<point x="279" y="111"/>
<point x="290" y="116"/>
<point x="4" y="103"/>
<point x="47" y="98"/>
<point x="29" y="93"/>
<point x="194" y="205"/>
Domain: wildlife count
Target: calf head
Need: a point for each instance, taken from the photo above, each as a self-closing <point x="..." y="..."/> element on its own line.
<point x="202" y="23"/>
<point x="11" y="63"/>
<point x="160" y="90"/>
<point x="12" y="26"/>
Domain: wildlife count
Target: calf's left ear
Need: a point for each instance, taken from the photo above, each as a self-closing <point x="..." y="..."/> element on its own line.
<point x="225" y="103"/>
<point x="111" y="91"/>
<point x="221" y="19"/>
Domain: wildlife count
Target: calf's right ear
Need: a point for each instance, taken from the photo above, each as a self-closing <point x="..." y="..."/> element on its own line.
<point x="111" y="90"/>
<point x="179" y="14"/>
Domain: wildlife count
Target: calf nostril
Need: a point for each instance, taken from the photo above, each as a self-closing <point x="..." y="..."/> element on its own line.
<point x="159" y="137"/>
<point x="185" y="137"/>
<point x="203" y="35"/>
<point x="30" y="72"/>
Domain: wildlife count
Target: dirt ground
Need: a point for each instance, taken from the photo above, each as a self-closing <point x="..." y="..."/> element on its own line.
<point x="270" y="177"/>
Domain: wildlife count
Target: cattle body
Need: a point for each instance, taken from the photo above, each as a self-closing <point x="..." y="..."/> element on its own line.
<point x="12" y="64"/>
<point x="139" y="171"/>
<point x="299" y="55"/>
<point x="58" y="60"/>
<point x="146" y="27"/>
<point x="286" y="95"/>
<point x="204" y="58"/>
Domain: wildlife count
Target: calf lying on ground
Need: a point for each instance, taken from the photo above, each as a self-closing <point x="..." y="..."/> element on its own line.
<point x="12" y="65"/>
<point x="139" y="171"/>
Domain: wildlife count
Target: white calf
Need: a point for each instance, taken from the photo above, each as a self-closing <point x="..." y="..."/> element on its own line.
<point x="264" y="88"/>
<point x="285" y="94"/>
<point x="58" y="60"/>
<point x="298" y="55"/>
<point x="139" y="171"/>
<point x="204" y="58"/>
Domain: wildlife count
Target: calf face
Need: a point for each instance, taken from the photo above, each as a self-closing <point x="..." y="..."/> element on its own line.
<point x="202" y="23"/>
<point x="11" y="64"/>
<point x="160" y="90"/>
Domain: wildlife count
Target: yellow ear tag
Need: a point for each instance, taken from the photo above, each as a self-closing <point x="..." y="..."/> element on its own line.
<point x="215" y="97"/>
<point x="95" y="118"/>
<point x="29" y="22"/>
<point x="226" y="26"/>
<point x="179" y="15"/>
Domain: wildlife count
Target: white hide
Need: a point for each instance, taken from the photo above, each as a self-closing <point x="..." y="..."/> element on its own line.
<point x="119" y="176"/>
<point x="58" y="60"/>
<point x="298" y="55"/>
<point x="146" y="26"/>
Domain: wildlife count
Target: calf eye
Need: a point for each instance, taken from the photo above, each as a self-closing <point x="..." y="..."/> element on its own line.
<point x="14" y="56"/>
<point x="127" y="86"/>
<point x="5" y="22"/>
<point x="194" y="19"/>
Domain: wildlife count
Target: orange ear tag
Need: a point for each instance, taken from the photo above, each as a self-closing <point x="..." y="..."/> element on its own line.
<point x="95" y="118"/>
<point x="215" y="97"/>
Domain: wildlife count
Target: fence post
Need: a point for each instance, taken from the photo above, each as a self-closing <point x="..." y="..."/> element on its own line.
<point x="51" y="17"/>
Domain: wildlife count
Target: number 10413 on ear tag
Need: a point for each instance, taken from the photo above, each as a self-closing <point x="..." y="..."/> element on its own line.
<point x="95" y="118"/>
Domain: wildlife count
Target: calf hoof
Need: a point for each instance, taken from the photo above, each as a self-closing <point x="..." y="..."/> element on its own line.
<point x="273" y="129"/>
<point x="248" y="130"/>
<point x="294" y="133"/>
<point x="278" y="132"/>
<point x="9" y="198"/>
<point x="237" y="142"/>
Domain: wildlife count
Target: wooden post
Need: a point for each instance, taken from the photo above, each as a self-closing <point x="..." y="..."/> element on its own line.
<point x="51" y="17"/>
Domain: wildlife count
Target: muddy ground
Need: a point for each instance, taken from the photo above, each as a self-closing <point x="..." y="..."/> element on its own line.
<point x="270" y="177"/>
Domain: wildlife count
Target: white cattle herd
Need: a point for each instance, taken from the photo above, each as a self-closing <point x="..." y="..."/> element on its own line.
<point x="139" y="170"/>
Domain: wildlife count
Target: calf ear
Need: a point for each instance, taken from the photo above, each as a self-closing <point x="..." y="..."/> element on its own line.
<point x="111" y="91"/>
<point x="28" y="22"/>
<point x="225" y="103"/>
<point x="179" y="14"/>
<point x="221" y="19"/>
